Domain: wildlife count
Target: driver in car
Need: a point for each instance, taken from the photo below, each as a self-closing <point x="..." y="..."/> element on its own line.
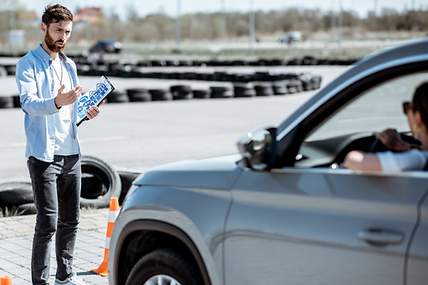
<point x="402" y="155"/>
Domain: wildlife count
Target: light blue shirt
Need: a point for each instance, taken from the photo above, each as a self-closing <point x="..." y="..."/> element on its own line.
<point x="35" y="80"/>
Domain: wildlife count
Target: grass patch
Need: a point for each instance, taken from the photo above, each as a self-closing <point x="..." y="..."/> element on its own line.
<point x="6" y="212"/>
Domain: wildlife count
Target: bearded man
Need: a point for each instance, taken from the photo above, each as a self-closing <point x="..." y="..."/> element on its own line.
<point x="48" y="88"/>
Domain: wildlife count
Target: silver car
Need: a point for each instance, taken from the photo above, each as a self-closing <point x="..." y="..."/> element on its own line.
<point x="284" y="211"/>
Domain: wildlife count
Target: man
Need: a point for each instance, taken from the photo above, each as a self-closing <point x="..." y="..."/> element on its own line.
<point x="48" y="87"/>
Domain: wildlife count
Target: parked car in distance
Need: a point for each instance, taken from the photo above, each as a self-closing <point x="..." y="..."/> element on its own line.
<point x="290" y="37"/>
<point x="284" y="211"/>
<point x="106" y="46"/>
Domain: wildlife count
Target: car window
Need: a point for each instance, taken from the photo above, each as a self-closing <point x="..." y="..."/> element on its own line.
<point x="353" y="125"/>
<point x="374" y="110"/>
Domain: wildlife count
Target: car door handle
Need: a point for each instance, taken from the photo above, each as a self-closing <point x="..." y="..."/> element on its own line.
<point x="380" y="237"/>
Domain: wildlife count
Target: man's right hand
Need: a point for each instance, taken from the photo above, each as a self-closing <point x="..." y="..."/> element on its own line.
<point x="67" y="98"/>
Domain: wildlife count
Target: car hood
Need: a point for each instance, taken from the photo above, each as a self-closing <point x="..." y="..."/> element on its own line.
<point x="212" y="173"/>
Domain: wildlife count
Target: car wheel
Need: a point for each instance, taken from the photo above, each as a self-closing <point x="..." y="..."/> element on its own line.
<point x="163" y="266"/>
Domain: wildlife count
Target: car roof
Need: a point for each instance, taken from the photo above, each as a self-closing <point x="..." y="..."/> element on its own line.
<point x="412" y="51"/>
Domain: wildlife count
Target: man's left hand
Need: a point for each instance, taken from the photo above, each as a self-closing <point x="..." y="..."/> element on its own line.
<point x="92" y="112"/>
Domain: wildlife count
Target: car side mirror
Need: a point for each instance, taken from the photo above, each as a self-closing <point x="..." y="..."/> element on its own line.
<point x="258" y="148"/>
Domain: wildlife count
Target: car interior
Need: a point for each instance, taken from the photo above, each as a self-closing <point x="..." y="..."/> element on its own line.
<point x="353" y="126"/>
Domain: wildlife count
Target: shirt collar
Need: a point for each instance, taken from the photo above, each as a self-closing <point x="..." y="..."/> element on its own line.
<point x="45" y="55"/>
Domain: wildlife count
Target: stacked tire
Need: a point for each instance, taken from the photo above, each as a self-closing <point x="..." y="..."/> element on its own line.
<point x="100" y="182"/>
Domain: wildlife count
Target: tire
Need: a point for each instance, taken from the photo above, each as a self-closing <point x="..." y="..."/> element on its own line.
<point x="13" y="194"/>
<point x="219" y="92"/>
<point x="164" y="262"/>
<point x="181" y="92"/>
<point x="138" y="95"/>
<point x="126" y="179"/>
<point x="243" y="91"/>
<point x="92" y="186"/>
<point x="263" y="90"/>
<point x="6" y="102"/>
<point x="294" y="86"/>
<point x="16" y="101"/>
<point x="160" y="95"/>
<point x="26" y="209"/>
<point x="201" y="94"/>
<point x="117" y="97"/>
<point x="111" y="185"/>
<point x="279" y="88"/>
<point x="262" y="76"/>
<point x="11" y="70"/>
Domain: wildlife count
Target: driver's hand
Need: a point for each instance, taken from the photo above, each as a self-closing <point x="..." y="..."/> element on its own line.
<point x="392" y="140"/>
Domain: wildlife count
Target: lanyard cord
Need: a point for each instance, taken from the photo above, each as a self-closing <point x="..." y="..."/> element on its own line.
<point x="56" y="73"/>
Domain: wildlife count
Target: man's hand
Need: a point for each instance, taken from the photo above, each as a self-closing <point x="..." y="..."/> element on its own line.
<point x="92" y="112"/>
<point x="392" y="140"/>
<point x="67" y="98"/>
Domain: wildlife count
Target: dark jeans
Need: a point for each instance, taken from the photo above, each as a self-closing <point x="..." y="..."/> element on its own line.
<point x="56" y="188"/>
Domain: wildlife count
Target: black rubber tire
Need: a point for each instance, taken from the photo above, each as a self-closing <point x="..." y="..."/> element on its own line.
<point x="13" y="194"/>
<point x="201" y="94"/>
<point x="160" y="95"/>
<point x="294" y="86"/>
<point x="181" y="92"/>
<point x="138" y="95"/>
<point x="221" y="92"/>
<point x="126" y="179"/>
<point x="263" y="90"/>
<point x="117" y="97"/>
<point x="110" y="179"/>
<point x="26" y="209"/>
<point x="6" y="102"/>
<point x="16" y="101"/>
<point x="164" y="262"/>
<point x="92" y="186"/>
<point x="244" y="91"/>
<point x="279" y="88"/>
<point x="11" y="70"/>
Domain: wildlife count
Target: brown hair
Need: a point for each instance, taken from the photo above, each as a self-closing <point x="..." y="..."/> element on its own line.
<point x="56" y="13"/>
<point x="420" y="102"/>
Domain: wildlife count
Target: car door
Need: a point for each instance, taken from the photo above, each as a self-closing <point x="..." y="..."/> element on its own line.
<point x="320" y="226"/>
<point x="417" y="263"/>
<point x="310" y="223"/>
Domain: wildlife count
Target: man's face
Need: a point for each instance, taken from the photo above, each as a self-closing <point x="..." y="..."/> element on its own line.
<point x="57" y="35"/>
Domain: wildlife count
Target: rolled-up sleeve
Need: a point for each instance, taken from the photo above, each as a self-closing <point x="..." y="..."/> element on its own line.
<point x="31" y="102"/>
<point x="396" y="162"/>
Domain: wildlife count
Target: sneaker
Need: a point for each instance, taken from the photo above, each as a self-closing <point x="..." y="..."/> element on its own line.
<point x="73" y="280"/>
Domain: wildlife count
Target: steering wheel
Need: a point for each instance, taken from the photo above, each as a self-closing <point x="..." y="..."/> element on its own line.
<point x="376" y="145"/>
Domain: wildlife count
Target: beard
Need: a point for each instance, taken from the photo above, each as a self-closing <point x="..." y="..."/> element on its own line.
<point x="53" y="45"/>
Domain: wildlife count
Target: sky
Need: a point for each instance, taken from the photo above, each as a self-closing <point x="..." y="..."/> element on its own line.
<point x="144" y="7"/>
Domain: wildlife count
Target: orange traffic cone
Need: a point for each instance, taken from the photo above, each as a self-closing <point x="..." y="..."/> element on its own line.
<point x="5" y="280"/>
<point x="113" y="212"/>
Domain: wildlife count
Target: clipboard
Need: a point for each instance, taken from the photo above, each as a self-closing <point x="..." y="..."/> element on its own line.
<point x="93" y="97"/>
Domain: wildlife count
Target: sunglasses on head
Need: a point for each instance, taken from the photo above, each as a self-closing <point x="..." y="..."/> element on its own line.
<point x="406" y="107"/>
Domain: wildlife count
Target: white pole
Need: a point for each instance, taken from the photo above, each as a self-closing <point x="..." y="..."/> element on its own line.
<point x="252" y="24"/>
<point x="178" y="26"/>
<point x="339" y="30"/>
<point x="223" y="6"/>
